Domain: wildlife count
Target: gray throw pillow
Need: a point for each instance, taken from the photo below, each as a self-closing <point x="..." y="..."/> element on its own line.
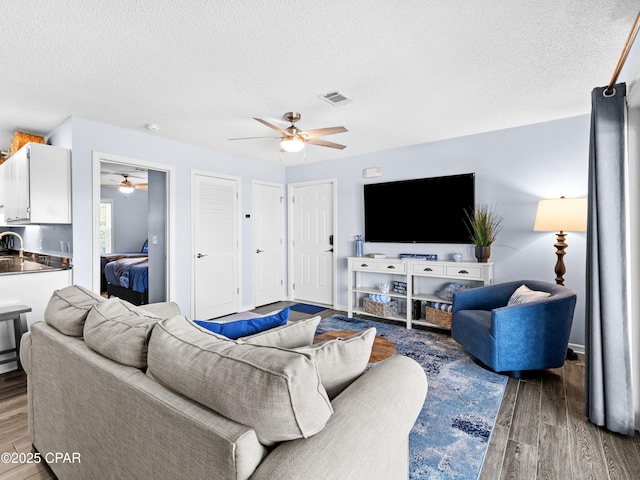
<point x="342" y="360"/>
<point x="291" y="335"/>
<point x="447" y="292"/>
<point x="68" y="308"/>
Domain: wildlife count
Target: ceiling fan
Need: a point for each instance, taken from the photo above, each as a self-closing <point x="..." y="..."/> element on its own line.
<point x="293" y="139"/>
<point x="126" y="185"/>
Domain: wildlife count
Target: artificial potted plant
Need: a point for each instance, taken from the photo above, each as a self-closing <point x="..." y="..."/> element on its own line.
<point x="484" y="224"/>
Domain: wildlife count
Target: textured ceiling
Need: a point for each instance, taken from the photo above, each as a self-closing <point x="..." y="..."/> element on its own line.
<point x="417" y="71"/>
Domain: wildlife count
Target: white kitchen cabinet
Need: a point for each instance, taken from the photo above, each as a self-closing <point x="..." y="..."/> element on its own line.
<point x="32" y="289"/>
<point x="37" y="184"/>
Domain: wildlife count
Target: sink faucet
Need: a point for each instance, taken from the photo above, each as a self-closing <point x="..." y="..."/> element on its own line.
<point x="21" y="251"/>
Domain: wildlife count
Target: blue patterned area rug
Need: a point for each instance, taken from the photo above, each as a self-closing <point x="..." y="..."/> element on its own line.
<point x="451" y="435"/>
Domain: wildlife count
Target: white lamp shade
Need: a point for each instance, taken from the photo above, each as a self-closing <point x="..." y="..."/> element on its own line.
<point x="293" y="144"/>
<point x="125" y="189"/>
<point x="561" y="214"/>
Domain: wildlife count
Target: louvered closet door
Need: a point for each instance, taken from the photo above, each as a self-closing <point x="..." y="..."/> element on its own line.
<point x="215" y="246"/>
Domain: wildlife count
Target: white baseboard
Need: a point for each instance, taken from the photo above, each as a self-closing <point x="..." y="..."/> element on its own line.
<point x="577" y="348"/>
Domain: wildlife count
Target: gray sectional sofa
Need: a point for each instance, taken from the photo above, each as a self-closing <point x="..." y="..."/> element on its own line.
<point x="143" y="393"/>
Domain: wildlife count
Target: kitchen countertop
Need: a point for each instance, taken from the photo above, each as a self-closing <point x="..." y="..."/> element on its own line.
<point x="11" y="263"/>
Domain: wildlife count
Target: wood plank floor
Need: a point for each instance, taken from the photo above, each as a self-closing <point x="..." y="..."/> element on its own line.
<point x="540" y="432"/>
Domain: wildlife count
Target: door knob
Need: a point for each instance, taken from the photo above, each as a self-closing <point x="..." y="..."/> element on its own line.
<point x="200" y="255"/>
<point x="259" y="251"/>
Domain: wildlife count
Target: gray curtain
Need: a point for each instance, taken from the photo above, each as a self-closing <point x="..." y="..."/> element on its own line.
<point x="608" y="388"/>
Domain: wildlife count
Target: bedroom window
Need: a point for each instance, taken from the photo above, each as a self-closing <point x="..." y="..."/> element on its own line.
<point x="106" y="225"/>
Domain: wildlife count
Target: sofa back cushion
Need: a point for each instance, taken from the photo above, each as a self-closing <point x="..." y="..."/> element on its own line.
<point x="68" y="308"/>
<point x="120" y="331"/>
<point x="291" y="335"/>
<point x="275" y="391"/>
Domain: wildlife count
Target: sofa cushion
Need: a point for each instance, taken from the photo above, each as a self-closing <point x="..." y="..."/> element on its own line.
<point x="68" y="308"/>
<point x="290" y="335"/>
<point x="524" y="294"/>
<point x="275" y="391"/>
<point x="120" y="331"/>
<point x="250" y="326"/>
<point x="341" y="361"/>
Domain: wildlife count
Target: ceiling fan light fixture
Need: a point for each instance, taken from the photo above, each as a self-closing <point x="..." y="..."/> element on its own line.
<point x="292" y="144"/>
<point x="126" y="189"/>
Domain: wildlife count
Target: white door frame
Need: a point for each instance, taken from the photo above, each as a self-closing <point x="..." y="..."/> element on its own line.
<point x="253" y="236"/>
<point x="170" y="171"/>
<point x="192" y="246"/>
<point x="290" y="231"/>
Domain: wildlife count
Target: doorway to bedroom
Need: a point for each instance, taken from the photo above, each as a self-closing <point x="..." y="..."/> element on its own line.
<point x="131" y="229"/>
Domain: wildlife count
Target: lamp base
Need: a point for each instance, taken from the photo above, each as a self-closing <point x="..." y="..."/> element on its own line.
<point x="560" y="245"/>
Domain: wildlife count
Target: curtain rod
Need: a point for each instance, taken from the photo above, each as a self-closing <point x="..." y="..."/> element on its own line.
<point x="623" y="57"/>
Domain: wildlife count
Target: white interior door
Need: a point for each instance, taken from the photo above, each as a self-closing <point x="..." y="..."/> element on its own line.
<point x="215" y="246"/>
<point x="312" y="231"/>
<point x="268" y="243"/>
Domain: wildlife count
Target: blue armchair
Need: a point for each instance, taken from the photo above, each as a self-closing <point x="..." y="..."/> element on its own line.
<point x="513" y="339"/>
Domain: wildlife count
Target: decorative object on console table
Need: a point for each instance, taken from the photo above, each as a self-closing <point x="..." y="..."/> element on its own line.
<point x="419" y="256"/>
<point x="399" y="287"/>
<point x="359" y="246"/>
<point x="457" y="257"/>
<point x="484" y="224"/>
<point x="561" y="215"/>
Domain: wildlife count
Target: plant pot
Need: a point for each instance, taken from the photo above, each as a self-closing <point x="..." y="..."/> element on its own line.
<point x="483" y="254"/>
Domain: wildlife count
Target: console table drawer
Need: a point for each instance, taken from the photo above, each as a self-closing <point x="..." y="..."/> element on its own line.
<point x="427" y="269"/>
<point x="465" y="272"/>
<point x="381" y="267"/>
<point x="392" y="267"/>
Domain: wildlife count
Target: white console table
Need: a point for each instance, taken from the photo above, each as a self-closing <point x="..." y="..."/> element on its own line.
<point x="406" y="270"/>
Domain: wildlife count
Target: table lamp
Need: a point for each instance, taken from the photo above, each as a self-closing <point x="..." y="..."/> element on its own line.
<point x="561" y="215"/>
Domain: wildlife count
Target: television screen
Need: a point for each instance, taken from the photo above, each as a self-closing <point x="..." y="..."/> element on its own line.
<point x="425" y="210"/>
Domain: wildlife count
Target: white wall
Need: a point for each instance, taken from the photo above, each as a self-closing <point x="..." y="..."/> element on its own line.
<point x="84" y="137"/>
<point x="514" y="169"/>
<point x="130" y="218"/>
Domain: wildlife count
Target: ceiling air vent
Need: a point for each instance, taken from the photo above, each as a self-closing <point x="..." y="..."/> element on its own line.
<point x="336" y="98"/>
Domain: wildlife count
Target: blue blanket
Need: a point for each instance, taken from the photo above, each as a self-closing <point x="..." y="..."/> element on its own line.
<point x="132" y="273"/>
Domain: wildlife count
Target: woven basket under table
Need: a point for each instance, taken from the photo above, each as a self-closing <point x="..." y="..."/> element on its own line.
<point x="439" y="317"/>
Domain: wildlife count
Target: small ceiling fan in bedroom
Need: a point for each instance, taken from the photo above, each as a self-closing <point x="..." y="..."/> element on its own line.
<point x="293" y="139"/>
<point x="126" y="185"/>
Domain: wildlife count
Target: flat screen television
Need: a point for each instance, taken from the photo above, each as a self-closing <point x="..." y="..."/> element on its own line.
<point x="424" y="210"/>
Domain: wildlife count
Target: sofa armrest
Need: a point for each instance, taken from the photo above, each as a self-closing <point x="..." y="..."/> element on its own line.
<point x="366" y="437"/>
<point x="25" y="352"/>
<point x="546" y="322"/>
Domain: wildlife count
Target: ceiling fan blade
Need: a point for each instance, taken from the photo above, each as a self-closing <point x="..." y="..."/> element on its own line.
<point x="320" y="132"/>
<point x="142" y="186"/>
<point x="324" y="143"/>
<point x="271" y="125"/>
<point x="250" y="138"/>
